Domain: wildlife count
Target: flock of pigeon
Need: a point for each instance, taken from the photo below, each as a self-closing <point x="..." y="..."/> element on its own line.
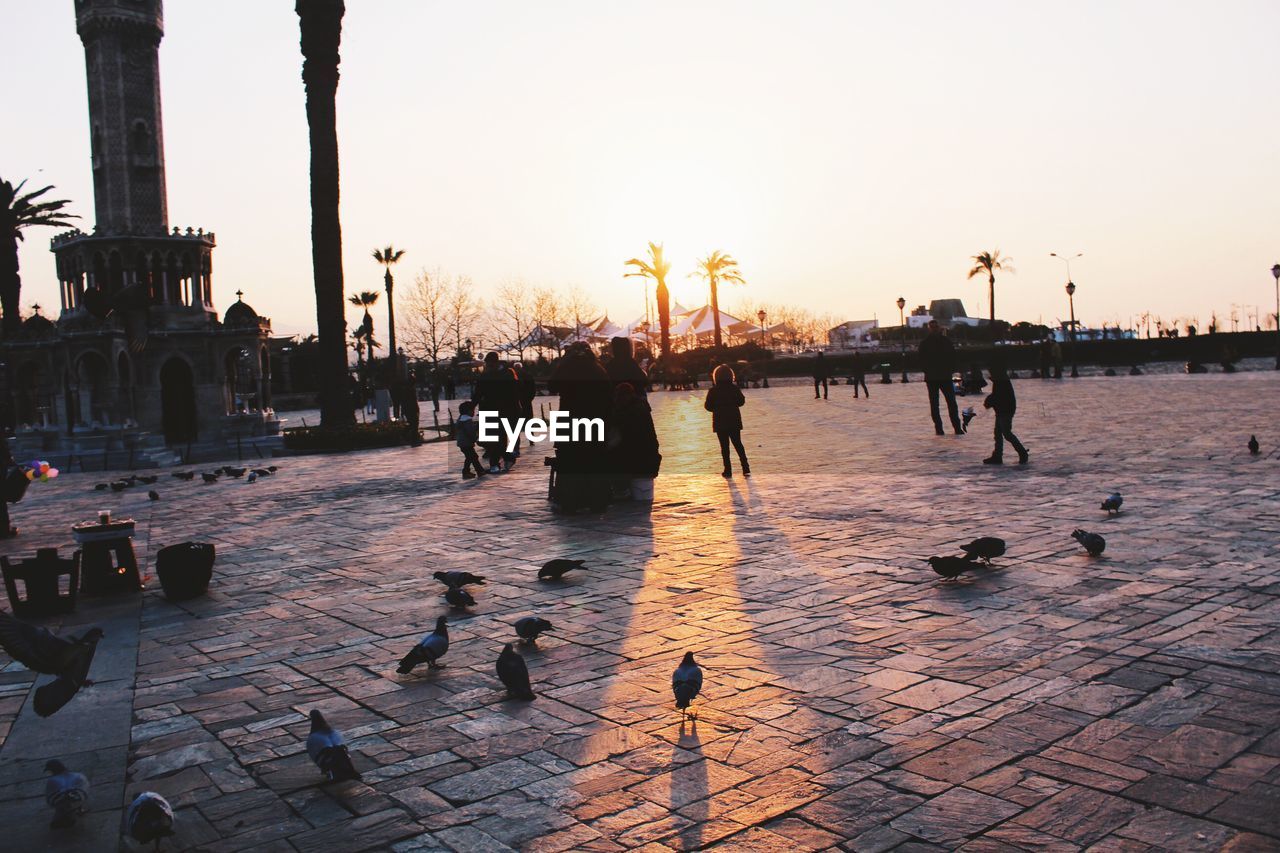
<point x="150" y="817"/>
<point x="231" y="471"/>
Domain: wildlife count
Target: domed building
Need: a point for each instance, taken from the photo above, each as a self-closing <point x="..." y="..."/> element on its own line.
<point x="137" y="368"/>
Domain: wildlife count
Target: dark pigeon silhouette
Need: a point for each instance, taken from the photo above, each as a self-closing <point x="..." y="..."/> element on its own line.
<point x="328" y="751"/>
<point x="429" y="649"/>
<point x="40" y="651"/>
<point x="459" y="597"/>
<point x="529" y="627"/>
<point x="513" y="674"/>
<point x="149" y="819"/>
<point x="686" y="684"/>
<point x="984" y="548"/>
<point x="261" y="472"/>
<point x="252" y="478"/>
<point x="951" y="567"/>
<point x="1092" y="542"/>
<point x="1112" y="503"/>
<point x="458" y="579"/>
<point x="149" y="480"/>
<point x="153" y="495"/>
<point x="66" y="793"/>
<point x="1253" y="445"/>
<point x="966" y="416"/>
<point x="183" y="475"/>
<point x="120" y="485"/>
<point x="208" y="478"/>
<point x="101" y="487"/>
<point x="234" y="472"/>
<point x="553" y="570"/>
<point x="273" y="468"/>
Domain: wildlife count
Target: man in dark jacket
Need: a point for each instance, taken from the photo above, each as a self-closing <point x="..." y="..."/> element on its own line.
<point x="622" y="366"/>
<point x="496" y="391"/>
<point x="939" y="359"/>
<point x="820" y="376"/>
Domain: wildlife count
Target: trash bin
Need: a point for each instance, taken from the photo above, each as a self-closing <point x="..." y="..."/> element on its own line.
<point x="885" y="378"/>
<point x="185" y="569"/>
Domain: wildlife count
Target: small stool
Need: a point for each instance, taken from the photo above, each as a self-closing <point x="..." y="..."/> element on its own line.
<point x="41" y="578"/>
<point x="107" y="563"/>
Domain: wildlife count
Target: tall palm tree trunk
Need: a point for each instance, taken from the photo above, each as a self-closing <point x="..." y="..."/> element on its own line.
<point x="391" y="325"/>
<point x="991" y="295"/>
<point x="321" y="25"/>
<point x="663" y="296"/>
<point x="10" y="282"/>
<point x="715" y="309"/>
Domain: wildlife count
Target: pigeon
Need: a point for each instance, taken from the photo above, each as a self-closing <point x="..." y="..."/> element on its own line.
<point x="429" y="649"/>
<point x="209" y="478"/>
<point x="984" y="548"/>
<point x="183" y="475"/>
<point x="1112" y="503"/>
<point x="950" y="567"/>
<point x="252" y="478"/>
<point x="1092" y="542"/>
<point x="154" y="495"/>
<point x="101" y="487"/>
<point x="40" y="651"/>
<point x="149" y="480"/>
<point x="458" y="579"/>
<point x="150" y="818"/>
<point x="553" y="570"/>
<point x="459" y="597"/>
<point x="966" y="416"/>
<point x="273" y="468"/>
<point x="1253" y="445"/>
<point x="529" y="627"/>
<point x="513" y="674"/>
<point x="234" y="472"/>
<point x="66" y="793"/>
<point x="327" y="750"/>
<point x="263" y="472"/>
<point x="686" y="683"/>
<point x="120" y="485"/>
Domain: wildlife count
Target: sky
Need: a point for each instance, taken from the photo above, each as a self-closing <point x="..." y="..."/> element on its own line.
<point x="846" y="153"/>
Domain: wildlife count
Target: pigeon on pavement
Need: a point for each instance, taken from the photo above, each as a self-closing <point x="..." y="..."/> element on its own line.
<point x="529" y="627"/>
<point x="328" y="751"/>
<point x="459" y="597"/>
<point x="429" y="649"/>
<point x="150" y="818"/>
<point x="1112" y="503"/>
<point x="555" y="569"/>
<point x="686" y="683"/>
<point x="183" y="475"/>
<point x="40" y="651"/>
<point x="458" y="579"/>
<point x="208" y="478"/>
<point x="153" y="495"/>
<point x="513" y="674"/>
<point x="984" y="548"/>
<point x="1253" y="445"/>
<point x="1092" y="542"/>
<point x="950" y="567"/>
<point x="66" y="793"/>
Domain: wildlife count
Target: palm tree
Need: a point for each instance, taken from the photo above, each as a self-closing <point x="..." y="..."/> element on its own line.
<point x="989" y="262"/>
<point x="656" y="268"/>
<point x="320" y="22"/>
<point x="364" y="299"/>
<point x="387" y="257"/>
<point x="19" y="211"/>
<point x="714" y="268"/>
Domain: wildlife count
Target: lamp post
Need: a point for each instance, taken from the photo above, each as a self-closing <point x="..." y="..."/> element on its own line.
<point x="1071" y="300"/>
<point x="761" y="316"/>
<point x="1275" y="271"/>
<point x="902" y="320"/>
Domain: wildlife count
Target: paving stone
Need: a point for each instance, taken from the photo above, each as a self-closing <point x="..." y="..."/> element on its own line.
<point x="953" y="815"/>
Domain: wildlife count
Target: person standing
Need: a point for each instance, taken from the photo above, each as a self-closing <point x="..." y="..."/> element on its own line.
<point x="724" y="402"/>
<point x="820" y="376"/>
<point x="526" y="390"/>
<point x="7" y="466"/>
<point x="1004" y="403"/>
<point x="581" y="466"/>
<point x="939" y="359"/>
<point x="623" y="367"/>
<point x="496" y="391"/>
<point x="859" y="368"/>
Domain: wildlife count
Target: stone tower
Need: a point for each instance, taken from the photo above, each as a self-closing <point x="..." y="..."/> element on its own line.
<point x="137" y="357"/>
<point x="122" y="60"/>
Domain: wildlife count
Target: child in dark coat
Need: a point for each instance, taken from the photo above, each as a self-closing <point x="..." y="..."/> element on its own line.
<point x="1004" y="403"/>
<point x="467" y="433"/>
<point x="724" y="401"/>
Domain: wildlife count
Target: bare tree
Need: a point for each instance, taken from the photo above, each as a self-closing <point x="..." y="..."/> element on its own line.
<point x="424" y="329"/>
<point x="462" y="311"/>
<point x="579" y="308"/>
<point x="511" y="316"/>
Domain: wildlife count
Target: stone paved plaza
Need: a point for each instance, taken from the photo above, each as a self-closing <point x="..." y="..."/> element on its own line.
<point x="853" y="701"/>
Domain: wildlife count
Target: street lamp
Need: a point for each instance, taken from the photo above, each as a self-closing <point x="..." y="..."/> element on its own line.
<point x="761" y="316"/>
<point x="1071" y="299"/>
<point x="902" y="320"/>
<point x="1275" y="271"/>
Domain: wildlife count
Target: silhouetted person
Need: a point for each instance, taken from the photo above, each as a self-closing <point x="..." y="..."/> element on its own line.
<point x="724" y="402"/>
<point x="1004" y="403"/>
<point x="633" y="441"/>
<point x="496" y="391"/>
<point x="450" y="384"/>
<point x="1046" y="358"/>
<point x="859" y="369"/>
<point x="582" y="477"/>
<point x="467" y="435"/>
<point x="407" y="394"/>
<point x="526" y="391"/>
<point x="623" y="367"/>
<point x="1055" y="349"/>
<point x="6" y="465"/>
<point x="820" y="376"/>
<point x="939" y="359"/>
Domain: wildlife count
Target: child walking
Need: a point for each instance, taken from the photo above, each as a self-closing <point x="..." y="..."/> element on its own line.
<point x="1002" y="401"/>
<point x="724" y="402"/>
<point x="467" y="432"/>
